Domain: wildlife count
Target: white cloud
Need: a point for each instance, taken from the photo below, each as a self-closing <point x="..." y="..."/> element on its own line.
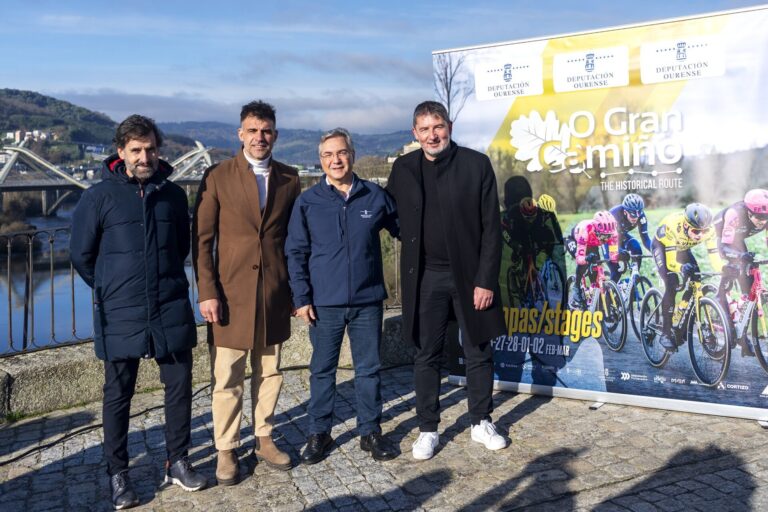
<point x="361" y="112"/>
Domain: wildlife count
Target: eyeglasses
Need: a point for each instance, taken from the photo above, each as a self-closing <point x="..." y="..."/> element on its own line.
<point x="632" y="214"/>
<point x="344" y="153"/>
<point x="694" y="231"/>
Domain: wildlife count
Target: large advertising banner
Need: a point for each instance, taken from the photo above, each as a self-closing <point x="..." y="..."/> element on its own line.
<point x="632" y="168"/>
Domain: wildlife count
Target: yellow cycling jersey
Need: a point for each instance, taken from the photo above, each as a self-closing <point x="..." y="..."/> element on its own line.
<point x="671" y="234"/>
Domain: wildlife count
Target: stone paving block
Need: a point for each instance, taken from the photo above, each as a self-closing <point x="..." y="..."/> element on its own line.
<point x="536" y="472"/>
<point x="670" y="505"/>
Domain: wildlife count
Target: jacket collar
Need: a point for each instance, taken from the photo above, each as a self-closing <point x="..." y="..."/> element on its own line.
<point x="113" y="169"/>
<point x="353" y="190"/>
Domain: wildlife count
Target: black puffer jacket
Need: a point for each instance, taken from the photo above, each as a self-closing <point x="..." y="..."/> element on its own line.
<point x="128" y="243"/>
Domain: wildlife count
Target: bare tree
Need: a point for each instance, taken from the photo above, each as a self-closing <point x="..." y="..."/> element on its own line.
<point x="452" y="86"/>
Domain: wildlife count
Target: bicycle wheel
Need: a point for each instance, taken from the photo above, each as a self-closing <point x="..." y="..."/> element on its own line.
<point x="614" y="316"/>
<point x="635" y="296"/>
<point x="650" y="329"/>
<point x="760" y="334"/>
<point x="709" y="342"/>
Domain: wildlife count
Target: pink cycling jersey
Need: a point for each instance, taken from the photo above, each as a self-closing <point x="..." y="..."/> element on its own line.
<point x="586" y="237"/>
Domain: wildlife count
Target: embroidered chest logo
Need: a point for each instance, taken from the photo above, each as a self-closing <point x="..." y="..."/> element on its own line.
<point x="366" y="214"/>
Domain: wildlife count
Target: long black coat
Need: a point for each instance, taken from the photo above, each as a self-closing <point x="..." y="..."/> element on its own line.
<point x="129" y="244"/>
<point x="469" y="207"/>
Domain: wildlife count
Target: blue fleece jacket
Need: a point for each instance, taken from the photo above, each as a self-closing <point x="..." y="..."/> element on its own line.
<point x="333" y="248"/>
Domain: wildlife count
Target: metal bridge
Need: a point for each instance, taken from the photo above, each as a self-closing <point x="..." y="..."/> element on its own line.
<point x="47" y="177"/>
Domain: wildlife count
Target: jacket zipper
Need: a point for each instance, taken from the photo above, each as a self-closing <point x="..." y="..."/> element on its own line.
<point x="147" y="355"/>
<point x="345" y="234"/>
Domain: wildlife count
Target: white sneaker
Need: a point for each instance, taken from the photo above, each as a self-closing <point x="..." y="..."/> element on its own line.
<point x="424" y="446"/>
<point x="485" y="433"/>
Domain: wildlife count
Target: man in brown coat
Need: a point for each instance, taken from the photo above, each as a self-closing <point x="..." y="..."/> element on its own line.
<point x="240" y="224"/>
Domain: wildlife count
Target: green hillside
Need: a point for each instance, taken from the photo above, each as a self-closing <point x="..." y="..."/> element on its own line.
<point x="27" y="110"/>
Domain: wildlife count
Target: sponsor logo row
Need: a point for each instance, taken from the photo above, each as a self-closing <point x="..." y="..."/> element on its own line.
<point x="518" y="73"/>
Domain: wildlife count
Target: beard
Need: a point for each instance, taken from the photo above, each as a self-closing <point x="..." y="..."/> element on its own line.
<point x="438" y="150"/>
<point x="140" y="172"/>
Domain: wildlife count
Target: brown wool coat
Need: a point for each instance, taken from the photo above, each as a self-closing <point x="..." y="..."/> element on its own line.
<point x="234" y="244"/>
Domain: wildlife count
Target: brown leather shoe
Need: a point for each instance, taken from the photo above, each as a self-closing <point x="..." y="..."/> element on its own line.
<point x="227" y="468"/>
<point x="266" y="450"/>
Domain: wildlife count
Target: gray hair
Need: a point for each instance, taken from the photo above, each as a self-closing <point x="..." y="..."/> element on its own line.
<point x="336" y="132"/>
<point x="434" y="108"/>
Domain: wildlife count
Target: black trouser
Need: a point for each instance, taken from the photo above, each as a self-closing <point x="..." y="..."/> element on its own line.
<point x="671" y="281"/>
<point x="119" y="384"/>
<point x="437" y="295"/>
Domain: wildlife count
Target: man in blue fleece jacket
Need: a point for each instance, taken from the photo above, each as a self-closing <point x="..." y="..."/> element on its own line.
<point x="337" y="282"/>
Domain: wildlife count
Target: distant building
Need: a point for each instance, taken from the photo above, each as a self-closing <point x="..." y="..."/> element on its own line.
<point x="20" y="135"/>
<point x="411" y="146"/>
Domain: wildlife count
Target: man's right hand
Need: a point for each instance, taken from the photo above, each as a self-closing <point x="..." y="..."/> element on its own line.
<point x="211" y="310"/>
<point x="306" y="313"/>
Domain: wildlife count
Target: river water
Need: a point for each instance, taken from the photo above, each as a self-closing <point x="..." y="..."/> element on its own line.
<point x="58" y="303"/>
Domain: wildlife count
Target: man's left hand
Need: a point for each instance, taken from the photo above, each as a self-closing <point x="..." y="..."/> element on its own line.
<point x="483" y="298"/>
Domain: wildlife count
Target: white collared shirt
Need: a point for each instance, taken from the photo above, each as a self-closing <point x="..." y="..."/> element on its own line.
<point x="260" y="168"/>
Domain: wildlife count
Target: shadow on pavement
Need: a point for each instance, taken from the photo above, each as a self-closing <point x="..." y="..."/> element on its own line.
<point x="17" y="436"/>
<point x="693" y="479"/>
<point x="542" y="480"/>
<point x="428" y="485"/>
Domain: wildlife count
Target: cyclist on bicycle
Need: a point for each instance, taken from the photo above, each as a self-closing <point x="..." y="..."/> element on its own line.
<point x="734" y="224"/>
<point x="531" y="231"/>
<point x="630" y="215"/>
<point x="671" y="247"/>
<point x="584" y="245"/>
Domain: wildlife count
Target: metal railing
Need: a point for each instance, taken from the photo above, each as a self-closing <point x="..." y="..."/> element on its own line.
<point x="48" y="305"/>
<point x="38" y="263"/>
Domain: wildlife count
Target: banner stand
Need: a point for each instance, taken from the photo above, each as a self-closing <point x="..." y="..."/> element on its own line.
<point x="632" y="171"/>
<point x="733" y="411"/>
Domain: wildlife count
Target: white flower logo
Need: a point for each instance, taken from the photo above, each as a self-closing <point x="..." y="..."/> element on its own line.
<point x="543" y="142"/>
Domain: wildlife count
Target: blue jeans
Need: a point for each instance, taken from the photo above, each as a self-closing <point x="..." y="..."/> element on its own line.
<point x="363" y="323"/>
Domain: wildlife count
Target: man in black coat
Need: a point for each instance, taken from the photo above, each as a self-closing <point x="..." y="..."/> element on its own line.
<point x="451" y="252"/>
<point x="130" y="237"/>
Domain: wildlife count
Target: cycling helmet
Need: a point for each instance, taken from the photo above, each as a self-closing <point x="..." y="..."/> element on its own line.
<point x="548" y="203"/>
<point x="633" y="203"/>
<point x="756" y="201"/>
<point x="698" y="216"/>
<point x="528" y="207"/>
<point x="604" y="222"/>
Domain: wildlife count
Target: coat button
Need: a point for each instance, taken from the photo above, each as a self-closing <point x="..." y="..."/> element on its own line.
<point x="255" y="267"/>
<point x="410" y="270"/>
<point x="413" y="239"/>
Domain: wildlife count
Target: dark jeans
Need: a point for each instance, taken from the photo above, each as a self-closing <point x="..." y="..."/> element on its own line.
<point x="363" y="323"/>
<point x="437" y="296"/>
<point x="119" y="385"/>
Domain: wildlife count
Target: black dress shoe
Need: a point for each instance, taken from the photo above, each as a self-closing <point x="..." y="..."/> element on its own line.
<point x="123" y="495"/>
<point x="380" y="448"/>
<point x="318" y="446"/>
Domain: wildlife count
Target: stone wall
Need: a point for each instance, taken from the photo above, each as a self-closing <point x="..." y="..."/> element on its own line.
<point x="63" y="377"/>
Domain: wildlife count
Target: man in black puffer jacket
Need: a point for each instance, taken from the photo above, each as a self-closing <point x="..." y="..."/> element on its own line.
<point x="130" y="237"/>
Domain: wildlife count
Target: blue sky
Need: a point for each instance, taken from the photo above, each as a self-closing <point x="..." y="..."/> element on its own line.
<point x="322" y="64"/>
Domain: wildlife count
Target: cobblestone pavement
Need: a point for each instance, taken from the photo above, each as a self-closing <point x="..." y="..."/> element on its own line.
<point x="563" y="456"/>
